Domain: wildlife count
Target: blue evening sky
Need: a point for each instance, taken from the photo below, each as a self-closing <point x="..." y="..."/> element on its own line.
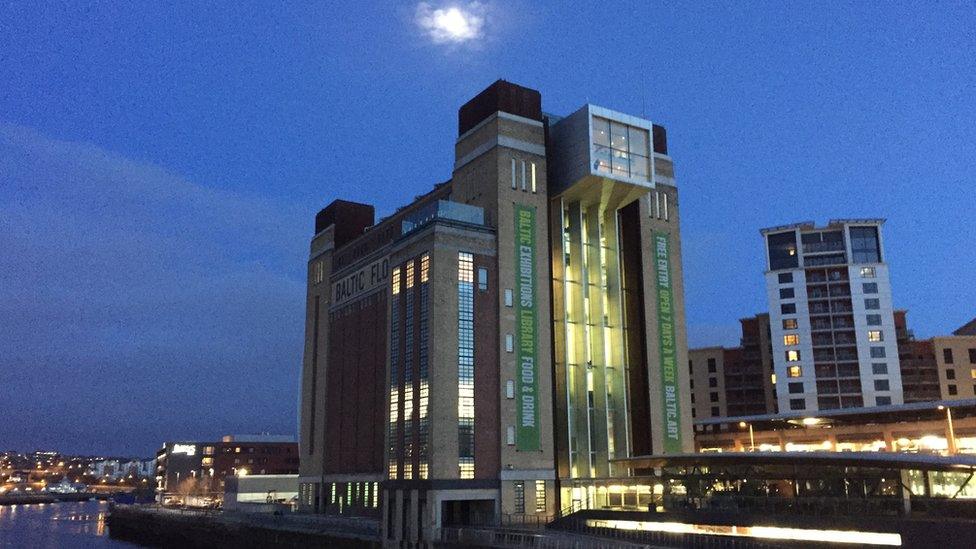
<point x="161" y="164"/>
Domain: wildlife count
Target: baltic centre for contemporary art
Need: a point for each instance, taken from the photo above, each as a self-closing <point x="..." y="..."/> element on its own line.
<point x="495" y="346"/>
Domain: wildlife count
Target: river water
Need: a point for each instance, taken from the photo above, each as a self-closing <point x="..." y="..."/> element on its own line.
<point x="57" y="525"/>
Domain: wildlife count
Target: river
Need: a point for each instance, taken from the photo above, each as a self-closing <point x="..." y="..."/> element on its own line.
<point x="57" y="526"/>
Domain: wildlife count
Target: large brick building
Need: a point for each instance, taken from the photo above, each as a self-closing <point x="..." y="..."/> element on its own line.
<point x="491" y="348"/>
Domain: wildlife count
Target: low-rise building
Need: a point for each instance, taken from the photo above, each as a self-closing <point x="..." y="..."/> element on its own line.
<point x="200" y="468"/>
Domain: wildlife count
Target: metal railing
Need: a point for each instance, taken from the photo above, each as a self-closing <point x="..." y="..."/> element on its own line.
<point x="551" y="540"/>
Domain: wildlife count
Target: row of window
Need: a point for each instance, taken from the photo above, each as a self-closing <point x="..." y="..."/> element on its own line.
<point x="948" y="358"/>
<point x="523" y="175"/>
<point x="866" y="272"/>
<point x="951" y="373"/>
<point x="540" y="497"/>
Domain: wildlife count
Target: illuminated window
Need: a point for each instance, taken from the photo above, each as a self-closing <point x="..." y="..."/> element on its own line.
<point x="791" y="339"/>
<point x="465" y="365"/>
<point x="395" y="369"/>
<point x="789" y="323"/>
<point x="867" y="272"/>
<point x="795" y="371"/>
<point x="424" y="268"/>
<point x="410" y="274"/>
<point x="423" y="422"/>
<point x="540" y="496"/>
<point x="772" y="378"/>
<point x="509" y="297"/>
<point x="533" y="177"/>
<point x="875" y="335"/>
<point x="519" y="497"/>
<point x="972" y="373"/>
<point x="793" y="356"/>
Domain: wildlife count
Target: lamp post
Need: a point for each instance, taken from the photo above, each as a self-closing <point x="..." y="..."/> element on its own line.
<point x="952" y="432"/>
<point x="752" y="439"/>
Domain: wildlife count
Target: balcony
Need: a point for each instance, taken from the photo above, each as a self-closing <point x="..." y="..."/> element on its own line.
<point x="840" y="290"/>
<point x="823" y="340"/>
<point x="820" y="247"/>
<point x="817" y="292"/>
<point x="840" y="307"/>
<point x="819" y="308"/>
<point x="817" y="260"/>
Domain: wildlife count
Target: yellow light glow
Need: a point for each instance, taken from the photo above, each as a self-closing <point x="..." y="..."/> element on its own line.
<point x="811" y="421"/>
<point x="242" y="472"/>
<point x="765" y="532"/>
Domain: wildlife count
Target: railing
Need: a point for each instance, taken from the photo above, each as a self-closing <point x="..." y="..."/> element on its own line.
<point x="814" y="247"/>
<point x="826" y="505"/>
<point x="479" y="537"/>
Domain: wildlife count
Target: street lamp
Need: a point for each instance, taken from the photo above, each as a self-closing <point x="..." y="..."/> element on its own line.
<point x="752" y="438"/>
<point x="952" y="433"/>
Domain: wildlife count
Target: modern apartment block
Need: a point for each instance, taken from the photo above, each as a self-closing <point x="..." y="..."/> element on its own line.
<point x="491" y="347"/>
<point x="955" y="358"/>
<point x="831" y="316"/>
<point x="739" y="381"/>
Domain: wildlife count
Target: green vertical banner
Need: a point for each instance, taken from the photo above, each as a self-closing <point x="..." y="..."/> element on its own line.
<point x="667" y="347"/>
<point x="526" y="320"/>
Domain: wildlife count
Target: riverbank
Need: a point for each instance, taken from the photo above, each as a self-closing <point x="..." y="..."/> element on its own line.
<point x="152" y="525"/>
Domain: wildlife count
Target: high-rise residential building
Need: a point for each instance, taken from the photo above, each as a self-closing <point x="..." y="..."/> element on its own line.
<point x="831" y="316"/>
<point x="491" y="348"/>
<point x="738" y="381"/>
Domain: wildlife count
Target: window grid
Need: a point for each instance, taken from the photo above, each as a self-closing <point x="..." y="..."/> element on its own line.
<point x="423" y="367"/>
<point x="465" y="365"/>
<point x="394" y="375"/>
<point x="519" y="497"/>
<point x="408" y="388"/>
<point x="540" y="496"/>
<point x="620" y="149"/>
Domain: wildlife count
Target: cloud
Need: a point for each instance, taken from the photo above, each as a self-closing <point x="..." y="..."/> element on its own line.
<point x="138" y="306"/>
<point x="451" y="24"/>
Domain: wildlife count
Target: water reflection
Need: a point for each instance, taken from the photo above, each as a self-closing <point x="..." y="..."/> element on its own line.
<point x="57" y="525"/>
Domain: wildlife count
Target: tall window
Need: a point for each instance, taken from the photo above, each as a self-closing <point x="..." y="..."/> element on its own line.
<point x="519" y="497"/>
<point x="620" y="149"/>
<point x="540" y="496"/>
<point x="864" y="245"/>
<point x="465" y="365"/>
<point x="422" y="366"/>
<point x="394" y="374"/>
<point x="947" y="356"/>
<point x="408" y="388"/>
